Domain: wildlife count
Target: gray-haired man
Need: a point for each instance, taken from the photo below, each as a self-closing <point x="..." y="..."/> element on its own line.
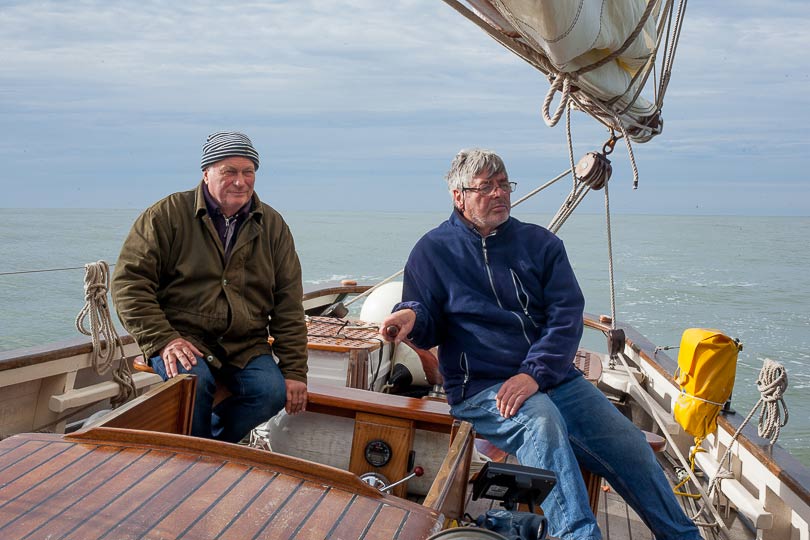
<point x="501" y="300"/>
<point x="202" y="277"/>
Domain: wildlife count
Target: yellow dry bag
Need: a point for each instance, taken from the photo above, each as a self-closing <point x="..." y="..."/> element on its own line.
<point x="707" y="364"/>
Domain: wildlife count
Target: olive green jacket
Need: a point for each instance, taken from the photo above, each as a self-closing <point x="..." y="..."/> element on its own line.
<point x="171" y="280"/>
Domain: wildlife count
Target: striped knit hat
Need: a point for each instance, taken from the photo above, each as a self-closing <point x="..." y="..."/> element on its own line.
<point x="225" y="144"/>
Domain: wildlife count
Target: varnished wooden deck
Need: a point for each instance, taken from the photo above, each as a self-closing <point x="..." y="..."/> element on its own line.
<point x="56" y="487"/>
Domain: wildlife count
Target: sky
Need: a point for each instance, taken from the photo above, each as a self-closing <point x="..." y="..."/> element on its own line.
<point x="362" y="104"/>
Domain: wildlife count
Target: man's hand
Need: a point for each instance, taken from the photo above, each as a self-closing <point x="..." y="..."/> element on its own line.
<point x="514" y="392"/>
<point x="403" y="320"/>
<point x="182" y="351"/>
<point x="296" y="397"/>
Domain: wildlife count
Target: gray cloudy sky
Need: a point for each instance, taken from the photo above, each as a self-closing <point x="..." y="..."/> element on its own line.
<point x="362" y="104"/>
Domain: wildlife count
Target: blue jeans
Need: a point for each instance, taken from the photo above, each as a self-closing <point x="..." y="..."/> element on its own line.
<point x="575" y="424"/>
<point x="258" y="392"/>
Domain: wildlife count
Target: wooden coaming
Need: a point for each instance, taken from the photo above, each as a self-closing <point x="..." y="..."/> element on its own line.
<point x="168" y="408"/>
<point x="347" y="402"/>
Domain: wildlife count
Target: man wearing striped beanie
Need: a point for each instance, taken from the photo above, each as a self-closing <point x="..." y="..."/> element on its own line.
<point x="206" y="281"/>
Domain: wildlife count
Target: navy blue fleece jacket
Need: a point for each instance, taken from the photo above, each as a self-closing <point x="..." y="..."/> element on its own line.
<point x="496" y="306"/>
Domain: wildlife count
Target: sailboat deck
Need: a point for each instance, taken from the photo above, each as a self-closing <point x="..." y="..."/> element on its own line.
<point x="51" y="487"/>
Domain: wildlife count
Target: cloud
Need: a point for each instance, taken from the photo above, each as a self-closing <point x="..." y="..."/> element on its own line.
<point x="354" y="89"/>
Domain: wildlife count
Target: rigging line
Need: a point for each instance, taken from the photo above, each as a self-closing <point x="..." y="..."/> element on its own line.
<point x="648" y="68"/>
<point x="629" y="152"/>
<point x="610" y="258"/>
<point x="671" y="58"/>
<point x="535" y="191"/>
<point x="664" y="28"/>
<point x="578" y="189"/>
<point x="674" y="32"/>
<point x="608" y="115"/>
<point x="570" y="140"/>
<point x="567" y="208"/>
<point x="521" y="49"/>
<point x="587" y="106"/>
<point x="45" y="270"/>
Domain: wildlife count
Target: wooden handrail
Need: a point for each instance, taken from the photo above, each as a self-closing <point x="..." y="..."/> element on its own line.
<point x="347" y="402"/>
<point x="337" y="289"/>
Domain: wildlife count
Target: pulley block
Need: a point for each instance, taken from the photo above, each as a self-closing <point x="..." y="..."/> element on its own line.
<point x="594" y="169"/>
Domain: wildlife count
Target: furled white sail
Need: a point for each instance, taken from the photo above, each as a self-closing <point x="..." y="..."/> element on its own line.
<point x="606" y="50"/>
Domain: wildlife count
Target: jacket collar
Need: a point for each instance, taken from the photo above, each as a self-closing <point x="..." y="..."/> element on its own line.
<point x="457" y="219"/>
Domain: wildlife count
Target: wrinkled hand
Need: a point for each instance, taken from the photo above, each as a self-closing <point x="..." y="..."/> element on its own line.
<point x="179" y="350"/>
<point x="514" y="392"/>
<point x="296" y="397"/>
<point x="403" y="320"/>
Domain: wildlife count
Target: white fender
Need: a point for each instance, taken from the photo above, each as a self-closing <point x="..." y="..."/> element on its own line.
<point x="380" y="302"/>
<point x="375" y="309"/>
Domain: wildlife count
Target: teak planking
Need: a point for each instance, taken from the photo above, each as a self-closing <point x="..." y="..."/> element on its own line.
<point x="114" y="483"/>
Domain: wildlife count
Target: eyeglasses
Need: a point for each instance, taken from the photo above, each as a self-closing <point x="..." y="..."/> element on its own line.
<point x="487" y="189"/>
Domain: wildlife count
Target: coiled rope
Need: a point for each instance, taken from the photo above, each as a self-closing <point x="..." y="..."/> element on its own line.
<point x="772" y="383"/>
<point x="107" y="347"/>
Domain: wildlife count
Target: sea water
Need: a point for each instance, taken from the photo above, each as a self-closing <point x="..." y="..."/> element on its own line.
<point x="746" y="276"/>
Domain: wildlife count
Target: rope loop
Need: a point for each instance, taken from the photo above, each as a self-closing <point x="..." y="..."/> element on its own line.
<point x="561" y="80"/>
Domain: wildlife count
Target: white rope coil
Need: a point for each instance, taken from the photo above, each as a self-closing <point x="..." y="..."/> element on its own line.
<point x="102" y="331"/>
<point x="772" y="383"/>
<point x="107" y="346"/>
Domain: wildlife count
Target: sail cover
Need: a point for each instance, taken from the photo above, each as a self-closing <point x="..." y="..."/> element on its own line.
<point x="565" y="38"/>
